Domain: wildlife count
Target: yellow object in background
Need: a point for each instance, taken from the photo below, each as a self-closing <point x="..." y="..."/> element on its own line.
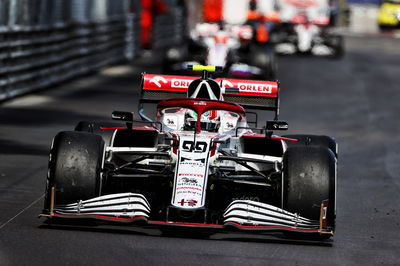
<point x="389" y="14"/>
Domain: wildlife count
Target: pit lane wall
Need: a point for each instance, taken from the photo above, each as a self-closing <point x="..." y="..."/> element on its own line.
<point x="46" y="42"/>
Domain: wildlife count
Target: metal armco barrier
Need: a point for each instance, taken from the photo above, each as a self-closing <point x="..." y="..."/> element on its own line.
<point x="45" y="42"/>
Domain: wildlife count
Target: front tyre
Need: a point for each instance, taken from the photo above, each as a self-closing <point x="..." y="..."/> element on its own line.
<point x="336" y="43"/>
<point x="75" y="166"/>
<point x="309" y="177"/>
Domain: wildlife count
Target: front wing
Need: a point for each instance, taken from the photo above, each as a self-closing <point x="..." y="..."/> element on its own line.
<point x="240" y="214"/>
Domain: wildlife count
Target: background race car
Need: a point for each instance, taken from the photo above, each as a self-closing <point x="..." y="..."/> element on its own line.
<point x="229" y="46"/>
<point x="305" y="28"/>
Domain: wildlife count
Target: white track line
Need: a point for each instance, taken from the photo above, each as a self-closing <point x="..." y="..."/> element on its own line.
<point x="27" y="207"/>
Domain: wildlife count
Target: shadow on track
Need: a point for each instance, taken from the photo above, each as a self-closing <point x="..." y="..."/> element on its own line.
<point x="34" y="117"/>
<point x="186" y="233"/>
<point x="23" y="148"/>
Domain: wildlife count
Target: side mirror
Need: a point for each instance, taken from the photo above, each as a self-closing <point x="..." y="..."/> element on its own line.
<point x="123" y="116"/>
<point x="277" y="125"/>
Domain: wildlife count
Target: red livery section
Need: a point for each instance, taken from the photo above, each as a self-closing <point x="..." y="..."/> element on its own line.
<point x="252" y="88"/>
<point x="166" y="82"/>
<point x="181" y="83"/>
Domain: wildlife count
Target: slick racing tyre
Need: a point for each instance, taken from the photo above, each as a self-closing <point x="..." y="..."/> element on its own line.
<point x="75" y="164"/>
<point x="313" y="140"/>
<point x="309" y="177"/>
<point x="103" y="129"/>
<point x="336" y="43"/>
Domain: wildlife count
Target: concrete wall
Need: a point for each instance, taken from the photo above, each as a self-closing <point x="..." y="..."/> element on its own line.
<point x="363" y="18"/>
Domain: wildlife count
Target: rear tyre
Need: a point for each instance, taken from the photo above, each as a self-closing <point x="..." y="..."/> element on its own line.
<point x="309" y="177"/>
<point x="75" y="165"/>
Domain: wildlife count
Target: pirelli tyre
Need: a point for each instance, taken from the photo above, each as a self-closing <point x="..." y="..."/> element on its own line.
<point x="103" y="129"/>
<point x="309" y="178"/>
<point x="313" y="140"/>
<point x="75" y="164"/>
<point x="336" y="43"/>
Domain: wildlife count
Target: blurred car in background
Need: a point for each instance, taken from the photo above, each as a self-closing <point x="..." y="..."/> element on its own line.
<point x="306" y="28"/>
<point x="229" y="46"/>
<point x="389" y="14"/>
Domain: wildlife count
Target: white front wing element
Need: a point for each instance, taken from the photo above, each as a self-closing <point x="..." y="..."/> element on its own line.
<point x="126" y="205"/>
<point x="191" y="172"/>
<point x="252" y="213"/>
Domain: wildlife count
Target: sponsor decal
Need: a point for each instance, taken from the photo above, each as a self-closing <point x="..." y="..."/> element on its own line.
<point x="190" y="188"/>
<point x="281" y="126"/>
<point x="180" y="83"/>
<point x="189" y="180"/>
<point x="255" y="87"/>
<point x="190" y="202"/>
<point x="227" y="84"/>
<point x="171" y="121"/>
<point x="185" y="160"/>
<point x="190" y="174"/>
<point x="229" y="125"/>
<point x="157" y="79"/>
<point x="244" y="197"/>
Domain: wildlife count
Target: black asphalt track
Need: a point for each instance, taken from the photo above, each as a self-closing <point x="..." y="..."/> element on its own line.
<point x="356" y="100"/>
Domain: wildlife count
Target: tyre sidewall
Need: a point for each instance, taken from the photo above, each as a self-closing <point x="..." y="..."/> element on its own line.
<point x="309" y="178"/>
<point x="75" y="165"/>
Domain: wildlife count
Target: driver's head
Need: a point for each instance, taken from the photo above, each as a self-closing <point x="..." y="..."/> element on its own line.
<point x="205" y="88"/>
<point x="209" y="121"/>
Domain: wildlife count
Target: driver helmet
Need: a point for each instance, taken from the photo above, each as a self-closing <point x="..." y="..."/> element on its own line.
<point x="204" y="89"/>
<point x="209" y="121"/>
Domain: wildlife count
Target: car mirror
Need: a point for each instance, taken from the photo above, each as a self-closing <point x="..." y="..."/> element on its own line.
<point x="123" y="116"/>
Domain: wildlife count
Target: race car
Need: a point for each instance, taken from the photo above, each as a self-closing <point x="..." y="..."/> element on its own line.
<point x="306" y="29"/>
<point x="230" y="47"/>
<point x="202" y="162"/>
<point x="389" y="14"/>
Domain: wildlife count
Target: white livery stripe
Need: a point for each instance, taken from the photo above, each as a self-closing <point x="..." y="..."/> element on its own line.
<point x="249" y="212"/>
<point x="116" y="205"/>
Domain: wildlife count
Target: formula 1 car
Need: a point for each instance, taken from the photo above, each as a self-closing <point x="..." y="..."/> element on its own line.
<point x="198" y="164"/>
<point x="305" y="29"/>
<point x="231" y="48"/>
